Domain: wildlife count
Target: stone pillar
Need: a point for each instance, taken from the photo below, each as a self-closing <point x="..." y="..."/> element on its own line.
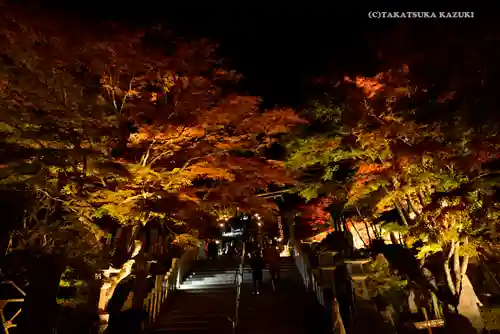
<point x="327" y="265"/>
<point x="411" y="302"/>
<point x="153" y="240"/>
<point x="357" y="273"/>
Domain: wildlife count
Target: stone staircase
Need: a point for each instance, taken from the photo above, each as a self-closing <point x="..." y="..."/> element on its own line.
<point x="206" y="301"/>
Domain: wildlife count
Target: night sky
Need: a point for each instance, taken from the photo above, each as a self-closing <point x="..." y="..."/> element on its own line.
<point x="281" y="49"/>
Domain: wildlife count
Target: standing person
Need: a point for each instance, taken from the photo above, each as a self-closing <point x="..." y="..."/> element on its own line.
<point x="212" y="249"/>
<point x="257" y="265"/>
<point x="273" y="261"/>
<point x="207" y="241"/>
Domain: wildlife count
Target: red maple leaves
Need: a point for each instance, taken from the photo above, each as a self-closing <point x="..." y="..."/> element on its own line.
<point x="315" y="213"/>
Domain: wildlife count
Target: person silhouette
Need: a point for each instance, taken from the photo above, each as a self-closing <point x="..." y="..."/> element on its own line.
<point x="273" y="260"/>
<point x="257" y="265"/>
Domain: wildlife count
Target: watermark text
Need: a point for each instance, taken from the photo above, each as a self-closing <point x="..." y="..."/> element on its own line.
<point x="420" y="15"/>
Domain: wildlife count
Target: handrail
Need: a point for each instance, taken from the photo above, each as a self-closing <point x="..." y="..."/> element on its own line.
<point x="239" y="275"/>
<point x="171" y="281"/>
<point x="312" y="281"/>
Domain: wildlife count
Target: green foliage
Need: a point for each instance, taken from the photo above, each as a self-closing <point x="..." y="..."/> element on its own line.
<point x="310" y="191"/>
<point x="330" y="114"/>
<point x="394" y="153"/>
<point x="312" y="151"/>
<point x="394" y="227"/>
<point x="381" y="282"/>
<point x="429" y="249"/>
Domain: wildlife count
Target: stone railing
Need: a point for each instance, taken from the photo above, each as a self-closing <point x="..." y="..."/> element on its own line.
<point x="163" y="284"/>
<point x="323" y="289"/>
<point x="239" y="283"/>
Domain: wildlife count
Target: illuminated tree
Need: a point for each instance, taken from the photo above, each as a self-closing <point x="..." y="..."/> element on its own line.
<point x="315" y="217"/>
<point x="405" y="154"/>
<point x="107" y="127"/>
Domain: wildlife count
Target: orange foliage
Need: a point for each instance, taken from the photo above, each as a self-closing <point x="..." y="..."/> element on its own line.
<point x="370" y="86"/>
<point x="372" y="168"/>
<point x="449" y="96"/>
<point x="187" y="136"/>
<point x="316" y="213"/>
<point x="380" y="83"/>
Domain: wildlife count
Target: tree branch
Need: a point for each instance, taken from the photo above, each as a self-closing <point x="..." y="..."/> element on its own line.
<point x="143" y="195"/>
<point x="449" y="280"/>
<point x="412" y="206"/>
<point x="456" y="267"/>
<point x="48" y="195"/>
<point x="186" y="165"/>
<point x="124" y="99"/>
<point x="465" y="263"/>
<point x="161" y="155"/>
<point x="146" y="156"/>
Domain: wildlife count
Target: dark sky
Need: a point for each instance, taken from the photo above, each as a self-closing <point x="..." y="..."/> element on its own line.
<point x="278" y="49"/>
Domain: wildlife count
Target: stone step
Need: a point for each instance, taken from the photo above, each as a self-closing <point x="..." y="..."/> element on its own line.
<point x="206" y="301"/>
<point x="232" y="271"/>
<point x="190" y="324"/>
<point x="200" y="312"/>
<point x="217" y="286"/>
<point x="206" y="297"/>
<point x="205" y="286"/>
<point x="214" y="324"/>
<point x="230" y="280"/>
<point x="194" y="329"/>
<point x="214" y="288"/>
<point x="188" y="317"/>
<point x="224" y="283"/>
<point x="217" y="290"/>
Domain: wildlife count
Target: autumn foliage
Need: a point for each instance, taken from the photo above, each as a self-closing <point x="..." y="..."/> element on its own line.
<point x="316" y="212"/>
<point x="138" y="123"/>
<point x="99" y="125"/>
<point x="409" y="165"/>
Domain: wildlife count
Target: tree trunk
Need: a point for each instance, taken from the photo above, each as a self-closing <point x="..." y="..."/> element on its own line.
<point x="121" y="321"/>
<point x="468" y="304"/>
<point x="421" y="198"/>
<point x="465" y="300"/>
<point x="411" y="205"/>
<point x="398" y="206"/>
<point x="140" y="292"/>
<point x="366" y="227"/>
<point x="394" y="240"/>
<point x="435" y="303"/>
<point x="140" y="286"/>
<point x="447" y="270"/>
<point x="39" y="311"/>
<point x="368" y="232"/>
<point x="91" y="306"/>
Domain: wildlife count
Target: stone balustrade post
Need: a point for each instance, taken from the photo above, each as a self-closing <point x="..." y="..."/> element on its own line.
<point x="358" y="275"/>
<point x="327" y="266"/>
